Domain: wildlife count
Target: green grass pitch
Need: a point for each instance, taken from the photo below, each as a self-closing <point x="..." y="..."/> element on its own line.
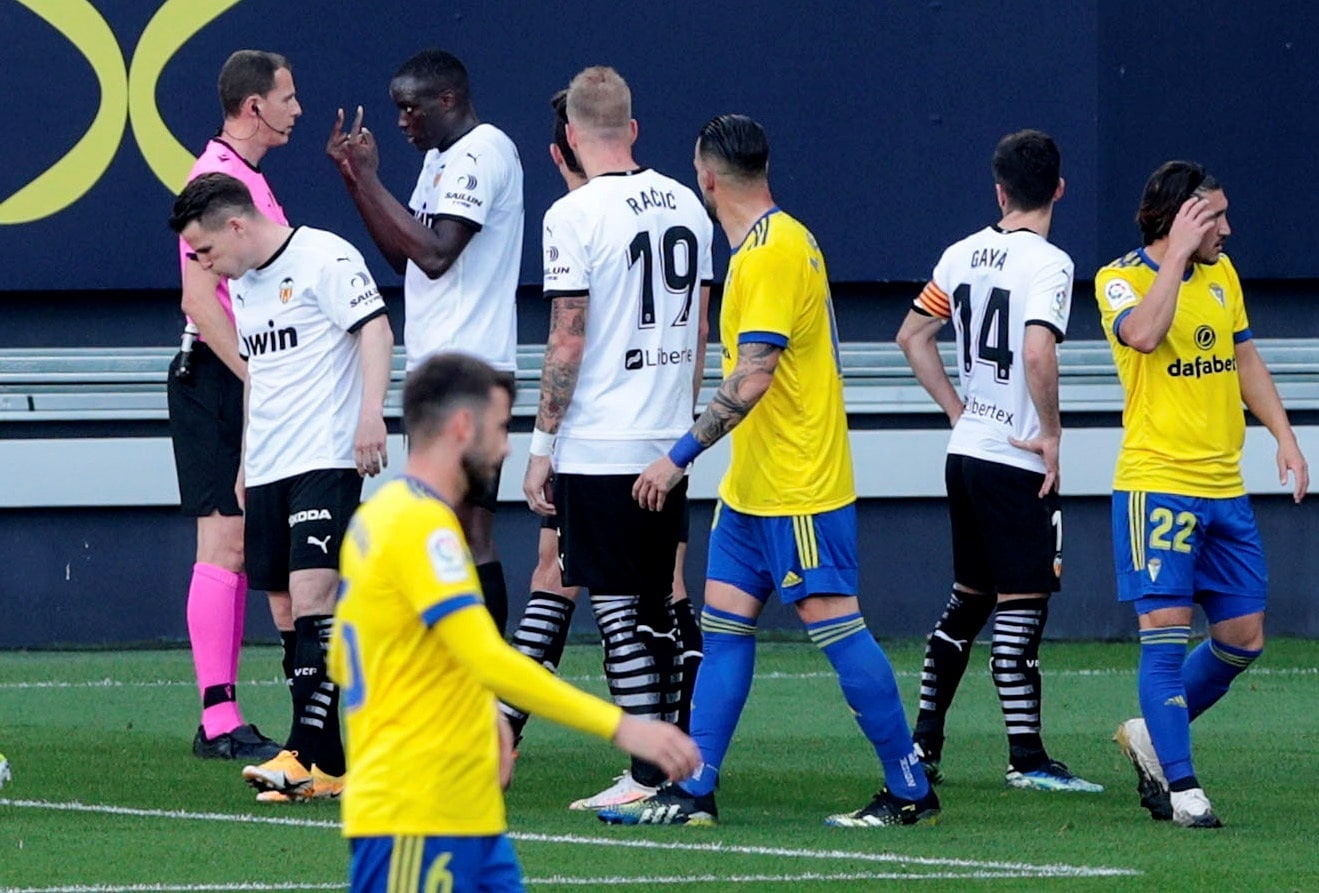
<point x="106" y="795"/>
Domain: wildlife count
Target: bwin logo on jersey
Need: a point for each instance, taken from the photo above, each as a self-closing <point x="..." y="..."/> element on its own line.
<point x="272" y="341"/>
<point x="285" y="290"/>
<point x="310" y="515"/>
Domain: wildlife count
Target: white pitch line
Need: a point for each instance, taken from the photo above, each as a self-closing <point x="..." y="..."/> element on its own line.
<point x="1057" y="870"/>
<point x="903" y="674"/>
<point x="241" y="818"/>
<point x="1026" y="868"/>
<point x="657" y="882"/>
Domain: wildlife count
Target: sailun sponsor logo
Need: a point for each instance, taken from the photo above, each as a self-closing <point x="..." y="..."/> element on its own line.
<point x="365" y="288"/>
<point x="272" y="340"/>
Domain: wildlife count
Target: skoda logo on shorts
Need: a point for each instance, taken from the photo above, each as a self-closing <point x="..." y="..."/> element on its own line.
<point x="467" y="181"/>
<point x="1205" y="337"/>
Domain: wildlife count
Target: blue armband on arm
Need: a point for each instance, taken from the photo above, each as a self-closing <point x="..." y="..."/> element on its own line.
<point x="686" y="450"/>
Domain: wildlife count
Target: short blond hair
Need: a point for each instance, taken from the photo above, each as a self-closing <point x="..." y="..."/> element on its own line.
<point x="599" y="101"/>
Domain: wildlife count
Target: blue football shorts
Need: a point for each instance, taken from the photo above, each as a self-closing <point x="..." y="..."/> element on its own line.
<point x="1174" y="551"/>
<point x="410" y="864"/>
<point x="799" y="555"/>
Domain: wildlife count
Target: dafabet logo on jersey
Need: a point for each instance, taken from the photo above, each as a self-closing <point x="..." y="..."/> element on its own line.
<point x="1200" y="365"/>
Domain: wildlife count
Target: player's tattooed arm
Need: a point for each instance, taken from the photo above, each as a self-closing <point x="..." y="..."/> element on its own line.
<point x="739" y="392"/>
<point x="563" y="360"/>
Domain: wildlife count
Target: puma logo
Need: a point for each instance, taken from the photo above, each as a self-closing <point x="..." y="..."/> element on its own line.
<point x="956" y="643"/>
<point x="324" y="544"/>
<point x="646" y="630"/>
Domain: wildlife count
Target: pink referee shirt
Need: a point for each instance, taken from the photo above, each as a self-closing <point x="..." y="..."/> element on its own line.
<point x="219" y="157"/>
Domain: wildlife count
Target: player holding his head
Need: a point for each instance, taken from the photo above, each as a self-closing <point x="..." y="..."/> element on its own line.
<point x="542" y="633"/>
<point x="1183" y="530"/>
<point x="458" y="244"/>
<point x="312" y="327"/>
<point x="786" y="518"/>
<point x="627" y="267"/>
<point x="260" y="107"/>
<point x="421" y="663"/>
<point x="1008" y="292"/>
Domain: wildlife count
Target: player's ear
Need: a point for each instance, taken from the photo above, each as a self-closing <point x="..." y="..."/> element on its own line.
<point x="462" y="425"/>
<point x="632" y="129"/>
<point x="555" y="155"/>
<point x="1062" y="187"/>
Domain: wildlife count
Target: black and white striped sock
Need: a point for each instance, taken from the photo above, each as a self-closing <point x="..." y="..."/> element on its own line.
<point x="634" y="677"/>
<point x="541" y="635"/>
<point x="1018" y="629"/>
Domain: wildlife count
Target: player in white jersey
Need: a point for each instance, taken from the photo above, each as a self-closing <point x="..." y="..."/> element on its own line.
<point x="458" y="244"/>
<point x="312" y="326"/>
<point x="627" y="267"/>
<point x="205" y="393"/>
<point x="542" y="633"/>
<point x="1008" y="292"/>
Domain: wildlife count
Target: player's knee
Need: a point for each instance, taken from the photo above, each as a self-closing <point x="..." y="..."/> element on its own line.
<point x="1246" y="633"/>
<point x="547" y="577"/>
<point x="818" y="608"/>
<point x="1246" y="640"/>
<point x="220" y="542"/>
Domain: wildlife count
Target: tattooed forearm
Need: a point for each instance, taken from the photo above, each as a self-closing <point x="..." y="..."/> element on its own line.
<point x="739" y="392"/>
<point x="563" y="360"/>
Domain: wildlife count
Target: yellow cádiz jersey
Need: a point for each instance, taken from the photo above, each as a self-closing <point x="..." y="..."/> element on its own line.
<point x="790" y="454"/>
<point x="419" y="662"/>
<point x="1183" y="422"/>
<point x="422" y="749"/>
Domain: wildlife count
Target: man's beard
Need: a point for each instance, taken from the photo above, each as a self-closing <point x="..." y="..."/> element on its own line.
<point x="480" y="478"/>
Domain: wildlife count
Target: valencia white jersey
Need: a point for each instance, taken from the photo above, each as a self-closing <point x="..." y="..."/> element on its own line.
<point x="993" y="284"/>
<point x="472" y="306"/>
<point x="638" y="244"/>
<point x="297" y="319"/>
